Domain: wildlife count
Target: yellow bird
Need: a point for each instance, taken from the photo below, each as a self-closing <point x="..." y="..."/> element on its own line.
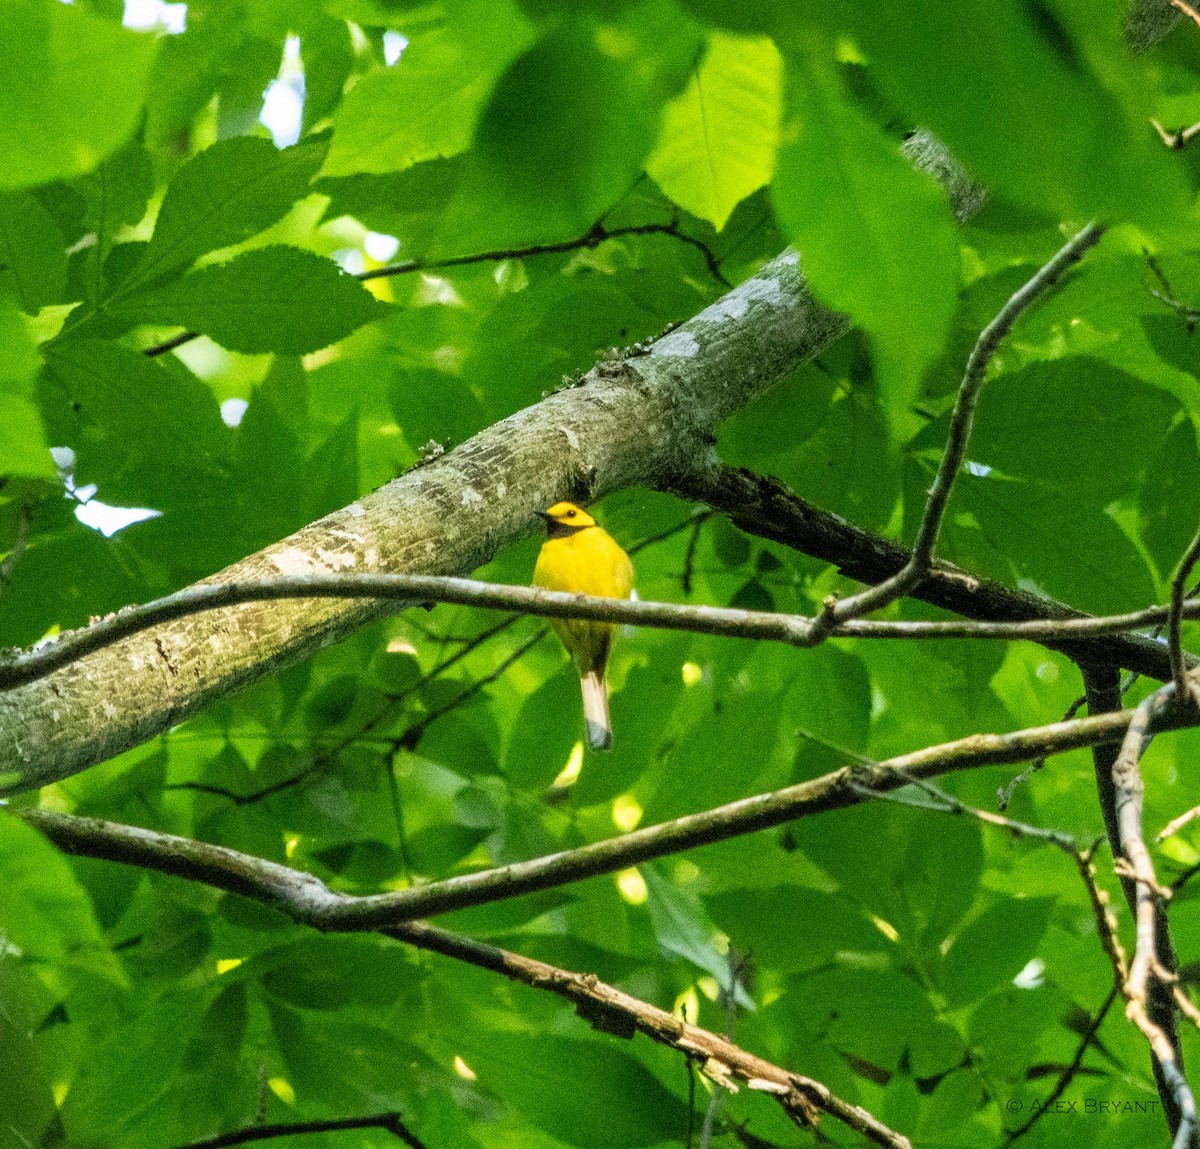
<point x="582" y="558"/>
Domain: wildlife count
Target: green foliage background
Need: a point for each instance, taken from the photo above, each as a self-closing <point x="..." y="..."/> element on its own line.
<point x="141" y="197"/>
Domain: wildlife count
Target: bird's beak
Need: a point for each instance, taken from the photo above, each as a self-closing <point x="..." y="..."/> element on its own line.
<point x="544" y="516"/>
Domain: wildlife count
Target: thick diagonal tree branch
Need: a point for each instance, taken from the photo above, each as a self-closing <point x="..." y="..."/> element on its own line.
<point x="629" y="423"/>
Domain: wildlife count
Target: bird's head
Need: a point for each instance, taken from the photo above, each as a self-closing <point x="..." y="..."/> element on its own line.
<point x="566" y="518"/>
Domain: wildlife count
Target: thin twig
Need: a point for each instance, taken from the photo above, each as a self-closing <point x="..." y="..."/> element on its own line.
<point x="689" y="556"/>
<point x="959" y="435"/>
<point x="592" y="238"/>
<point x="412" y="736"/>
<point x="21" y="667"/>
<point x="728" y="995"/>
<point x="1187" y="10"/>
<point x="1069" y="1074"/>
<point x="391" y="1122"/>
<point x="1176" y="824"/>
<point x="386" y="713"/>
<point x="1178" y="139"/>
<point x="170" y="344"/>
<point x="1175" y="616"/>
<point x="847" y="786"/>
<point x="1005" y="793"/>
<point x="301" y="896"/>
<point x="1190" y="315"/>
<point x="1128" y="979"/>
<point x="1136" y="865"/>
<point x="1106" y="925"/>
<point x="766" y="508"/>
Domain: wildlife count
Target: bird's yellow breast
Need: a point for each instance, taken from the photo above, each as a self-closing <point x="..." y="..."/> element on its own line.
<point x="587" y="561"/>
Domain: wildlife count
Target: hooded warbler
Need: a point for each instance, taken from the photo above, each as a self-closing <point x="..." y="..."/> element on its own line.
<point x="582" y="558"/>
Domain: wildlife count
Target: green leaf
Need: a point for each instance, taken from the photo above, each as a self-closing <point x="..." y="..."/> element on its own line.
<point x="876" y="237"/>
<point x="136" y="1059"/>
<point x="27" y="1102"/>
<point x="1008" y="1024"/>
<point x="775" y="424"/>
<point x="638" y="709"/>
<point x="229" y="192"/>
<point x="719" y="137"/>
<point x="33" y="255"/>
<point x="830" y="698"/>
<point x="340" y="1067"/>
<point x="1050" y="422"/>
<point x="848" y="465"/>
<point x="528" y="1072"/>
<point x="425" y="106"/>
<point x="682" y="927"/>
<point x="23" y="446"/>
<point x="333" y="972"/>
<point x="428" y="404"/>
<point x="942" y="872"/>
<point x="71" y="573"/>
<point x="73" y="92"/>
<point x="994" y="948"/>
<point x="101" y="398"/>
<point x="1078" y="555"/>
<point x="411" y="204"/>
<point x="1082" y="152"/>
<point x="327" y="52"/>
<point x="435" y="849"/>
<point x="189" y="70"/>
<point x="844" y="1004"/>
<point x="44" y="911"/>
<point x="569" y="126"/>
<point x="549" y="724"/>
<point x="276" y="298"/>
<point x="770" y="923"/>
<point x="696" y="774"/>
<point x="116" y="195"/>
<point x="1169" y="502"/>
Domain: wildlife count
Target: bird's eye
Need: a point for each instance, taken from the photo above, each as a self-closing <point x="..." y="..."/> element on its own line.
<point x="570" y="514"/>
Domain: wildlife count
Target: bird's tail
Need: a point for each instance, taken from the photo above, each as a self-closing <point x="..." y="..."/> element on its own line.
<point x="595" y="711"/>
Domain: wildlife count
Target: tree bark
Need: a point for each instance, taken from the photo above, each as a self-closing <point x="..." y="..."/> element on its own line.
<point x="630" y="422"/>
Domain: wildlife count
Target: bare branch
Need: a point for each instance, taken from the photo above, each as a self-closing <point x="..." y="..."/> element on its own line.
<point x="1136" y="866"/>
<point x="614" y="1011"/>
<point x="1128" y="979"/>
<point x="18" y="669"/>
<point x="391" y="1122"/>
<point x="961" y="421"/>
<point x="307" y="900"/>
<point x="1104" y="691"/>
<point x="592" y="238"/>
<point x="1175" y="616"/>
<point x="767" y="508"/>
